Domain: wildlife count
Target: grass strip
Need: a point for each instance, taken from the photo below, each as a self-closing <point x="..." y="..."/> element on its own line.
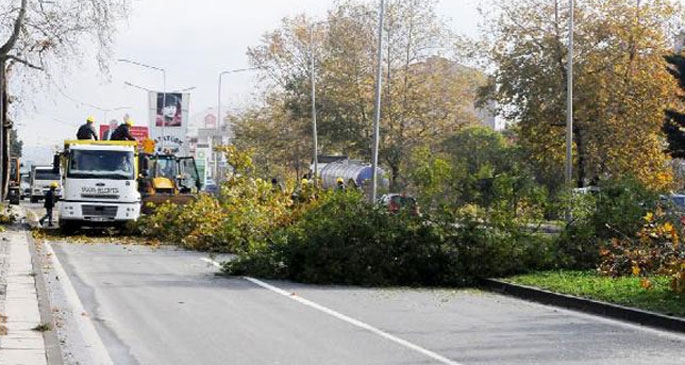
<point x="625" y="291"/>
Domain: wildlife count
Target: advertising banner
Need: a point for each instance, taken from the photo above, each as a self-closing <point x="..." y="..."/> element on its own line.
<point x="139" y="132"/>
<point x="169" y="121"/>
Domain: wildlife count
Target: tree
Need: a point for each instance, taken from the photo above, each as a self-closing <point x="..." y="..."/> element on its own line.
<point x="674" y="124"/>
<point x="426" y="98"/>
<point x="45" y="35"/>
<point x="279" y="143"/>
<point x="16" y="145"/>
<point x="621" y="86"/>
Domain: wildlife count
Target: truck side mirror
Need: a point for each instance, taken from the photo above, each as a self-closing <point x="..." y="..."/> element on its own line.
<point x="55" y="164"/>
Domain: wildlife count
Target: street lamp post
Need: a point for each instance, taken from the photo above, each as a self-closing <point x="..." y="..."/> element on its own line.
<point x="569" y="99"/>
<point x="163" y="87"/>
<point x="313" y="82"/>
<point x="218" y="110"/>
<point x="312" y="70"/>
<point x="377" y="116"/>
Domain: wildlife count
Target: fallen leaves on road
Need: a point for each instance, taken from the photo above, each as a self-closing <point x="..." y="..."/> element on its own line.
<point x="95" y="236"/>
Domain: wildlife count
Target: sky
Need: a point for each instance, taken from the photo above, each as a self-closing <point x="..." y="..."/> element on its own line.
<point x="193" y="41"/>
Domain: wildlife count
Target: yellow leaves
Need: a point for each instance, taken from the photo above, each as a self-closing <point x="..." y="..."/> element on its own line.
<point x="649" y="217"/>
<point x="668" y="227"/>
<point x="636" y="270"/>
<point x="622" y="87"/>
<point x="646" y="284"/>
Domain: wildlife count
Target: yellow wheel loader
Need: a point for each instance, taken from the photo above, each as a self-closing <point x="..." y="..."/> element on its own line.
<point x="167" y="178"/>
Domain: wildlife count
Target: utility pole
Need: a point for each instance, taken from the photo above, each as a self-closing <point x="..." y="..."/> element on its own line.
<point x="377" y="117"/>
<point x="569" y="99"/>
<point x="313" y="82"/>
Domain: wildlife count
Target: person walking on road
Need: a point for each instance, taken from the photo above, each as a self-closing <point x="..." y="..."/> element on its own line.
<point x="123" y="132"/>
<point x="49" y="204"/>
<point x="86" y="131"/>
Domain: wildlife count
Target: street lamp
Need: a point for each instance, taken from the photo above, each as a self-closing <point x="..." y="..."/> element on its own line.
<point x="377" y="117"/>
<point x="218" y="109"/>
<point x="569" y="99"/>
<point x="163" y="85"/>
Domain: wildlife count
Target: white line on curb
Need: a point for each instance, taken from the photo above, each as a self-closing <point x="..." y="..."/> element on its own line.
<point x="85" y="326"/>
<point x="345" y="318"/>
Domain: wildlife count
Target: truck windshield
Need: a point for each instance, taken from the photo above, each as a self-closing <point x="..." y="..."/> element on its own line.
<point x="93" y="164"/>
<point x="46" y="175"/>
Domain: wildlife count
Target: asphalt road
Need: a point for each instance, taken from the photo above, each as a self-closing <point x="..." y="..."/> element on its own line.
<point x="167" y="306"/>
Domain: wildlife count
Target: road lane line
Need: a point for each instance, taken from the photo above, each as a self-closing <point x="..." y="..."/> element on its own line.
<point x="343" y="317"/>
<point x="210" y="261"/>
<point x="353" y="322"/>
<point x="84" y="323"/>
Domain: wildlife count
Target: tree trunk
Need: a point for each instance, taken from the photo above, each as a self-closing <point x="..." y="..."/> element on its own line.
<point x="4" y="161"/>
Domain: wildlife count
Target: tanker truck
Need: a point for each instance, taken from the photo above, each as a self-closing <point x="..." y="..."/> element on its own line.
<point x="353" y="173"/>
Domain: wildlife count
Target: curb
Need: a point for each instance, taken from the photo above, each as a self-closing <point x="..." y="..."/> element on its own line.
<point x="615" y="311"/>
<point x="53" y="351"/>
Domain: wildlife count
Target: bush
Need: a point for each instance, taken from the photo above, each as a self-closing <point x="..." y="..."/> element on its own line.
<point x="345" y="240"/>
<point x="621" y="204"/>
<point x="616" y="211"/>
<point x="247" y="210"/>
<point x="655" y="250"/>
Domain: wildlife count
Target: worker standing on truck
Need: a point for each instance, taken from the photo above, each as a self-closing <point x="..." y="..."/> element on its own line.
<point x="123" y="132"/>
<point x="49" y="204"/>
<point x="86" y="131"/>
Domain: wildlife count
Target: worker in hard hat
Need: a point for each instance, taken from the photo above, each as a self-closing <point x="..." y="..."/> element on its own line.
<point x="123" y="132"/>
<point x="340" y="184"/>
<point x="49" y="203"/>
<point x="86" y="130"/>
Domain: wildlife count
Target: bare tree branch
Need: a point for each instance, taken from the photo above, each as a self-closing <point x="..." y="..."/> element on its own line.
<point x="4" y="50"/>
<point x="22" y="61"/>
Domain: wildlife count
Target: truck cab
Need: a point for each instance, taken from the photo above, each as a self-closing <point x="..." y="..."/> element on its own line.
<point x="41" y="178"/>
<point x="100" y="186"/>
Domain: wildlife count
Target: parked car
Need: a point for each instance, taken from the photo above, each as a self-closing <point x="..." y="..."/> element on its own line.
<point x="674" y="205"/>
<point x="396" y="202"/>
<point x="586" y="190"/>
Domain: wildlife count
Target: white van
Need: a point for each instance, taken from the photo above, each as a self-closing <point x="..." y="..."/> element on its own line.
<point x="41" y="178"/>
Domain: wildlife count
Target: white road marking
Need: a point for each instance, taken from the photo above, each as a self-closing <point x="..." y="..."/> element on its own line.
<point x="211" y="262"/>
<point x="345" y="318"/>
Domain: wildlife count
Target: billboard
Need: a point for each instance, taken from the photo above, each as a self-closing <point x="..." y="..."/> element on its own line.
<point x="169" y="121"/>
<point x="139" y="132"/>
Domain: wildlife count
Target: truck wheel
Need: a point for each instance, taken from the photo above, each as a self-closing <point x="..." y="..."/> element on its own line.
<point x="33" y="200"/>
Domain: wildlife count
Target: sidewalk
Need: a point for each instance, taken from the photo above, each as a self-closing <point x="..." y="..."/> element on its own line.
<point x="21" y="345"/>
